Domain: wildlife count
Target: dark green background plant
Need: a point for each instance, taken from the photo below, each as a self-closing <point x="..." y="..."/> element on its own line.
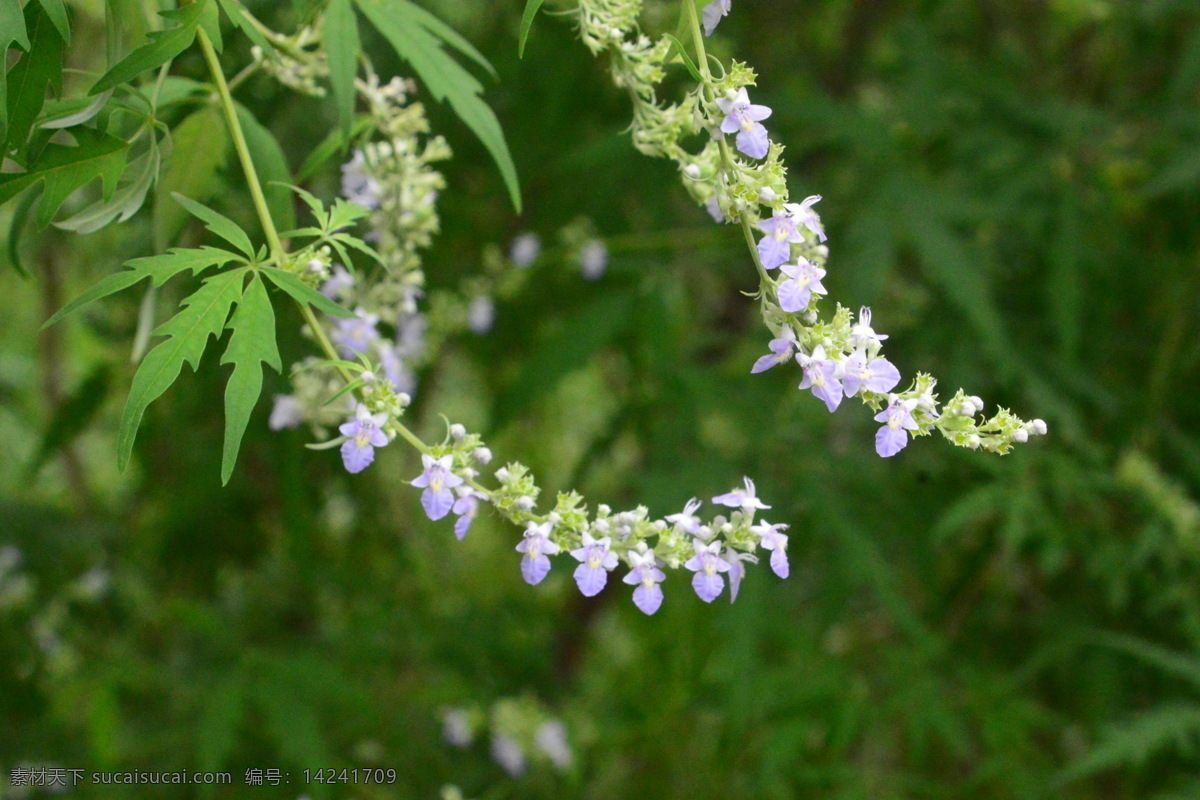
<point x="1013" y="188"/>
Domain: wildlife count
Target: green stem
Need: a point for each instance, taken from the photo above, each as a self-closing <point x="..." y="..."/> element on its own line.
<point x="278" y="254"/>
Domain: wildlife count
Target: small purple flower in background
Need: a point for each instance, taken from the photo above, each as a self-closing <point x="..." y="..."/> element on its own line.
<point x="467" y="507"/>
<point x="437" y="480"/>
<point x="525" y="249"/>
<point x="861" y="334"/>
<point x="771" y="539"/>
<point x="508" y="753"/>
<point x="712" y="14"/>
<point x="708" y="566"/>
<point x="364" y="430"/>
<point x="355" y="335"/>
<point x="339" y="283"/>
<point x="873" y="374"/>
<point x="737" y="571"/>
<point x="536" y="546"/>
<point x="775" y="248"/>
<point x="551" y="739"/>
<point x="804" y="215"/>
<point x="713" y="207"/>
<point x="285" y="413"/>
<point x="898" y="421"/>
<point x="400" y="376"/>
<point x="744" y="499"/>
<point x="820" y="375"/>
<point x="745" y="119"/>
<point x="481" y="315"/>
<point x="457" y="729"/>
<point x="687" y="521"/>
<point x="593" y="260"/>
<point x="596" y="559"/>
<point x="804" y="280"/>
<point x="648" y="596"/>
<point x="782" y="349"/>
<point x="358" y="186"/>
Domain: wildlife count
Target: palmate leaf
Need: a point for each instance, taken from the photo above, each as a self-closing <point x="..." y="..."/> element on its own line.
<point x="201" y="315"/>
<point x="410" y="36"/>
<point x="159" y="269"/>
<point x="64" y="169"/>
<point x="251" y="345"/>
<point x="160" y="48"/>
<point x="40" y="68"/>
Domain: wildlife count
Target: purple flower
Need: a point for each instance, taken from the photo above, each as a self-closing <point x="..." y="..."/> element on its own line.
<point x="737" y="571"/>
<point x="708" y="566"/>
<point x="861" y="334"/>
<point x="712" y="14"/>
<point x="687" y="521"/>
<point x="804" y="280"/>
<point x="467" y="507"/>
<point x="394" y="369"/>
<point x="744" y="499"/>
<point x="525" y="249"/>
<point x="339" y="284"/>
<point x="593" y="260"/>
<point x="873" y="374"/>
<point x="804" y="215"/>
<point x="536" y="546"/>
<point x="358" y="185"/>
<point x="286" y="413"/>
<point x="771" y="539"/>
<point x="509" y="754"/>
<point x="481" y="315"/>
<point x="713" y="207"/>
<point x="820" y="374"/>
<point x="364" y="430"/>
<point x="648" y="596"/>
<point x="746" y="120"/>
<point x="898" y="421"/>
<point x="775" y="248"/>
<point x="355" y="335"/>
<point x="437" y="480"/>
<point x="596" y="559"/>
<point x="782" y="349"/>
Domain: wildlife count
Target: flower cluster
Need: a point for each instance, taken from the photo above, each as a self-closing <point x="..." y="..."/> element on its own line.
<point x="295" y="61"/>
<point x="520" y="730"/>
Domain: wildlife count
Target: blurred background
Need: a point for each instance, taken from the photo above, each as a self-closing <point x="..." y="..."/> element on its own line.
<point x="1013" y="187"/>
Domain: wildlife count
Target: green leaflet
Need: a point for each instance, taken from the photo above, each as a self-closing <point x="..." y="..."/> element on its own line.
<point x="159" y="269"/>
<point x="342" y="47"/>
<point x="160" y="48"/>
<point x="272" y="167"/>
<point x="252" y="344"/>
<point x="304" y="294"/>
<point x="447" y="34"/>
<point x="219" y="224"/>
<point x="201" y="315"/>
<point x="20" y="216"/>
<point x="531" y="9"/>
<point x="39" y="68"/>
<point x="12" y="29"/>
<point x="416" y="43"/>
<point x="210" y="22"/>
<point x="57" y="12"/>
<point x="201" y="146"/>
<point x="64" y="169"/>
<point x="233" y="10"/>
<point x="129" y="197"/>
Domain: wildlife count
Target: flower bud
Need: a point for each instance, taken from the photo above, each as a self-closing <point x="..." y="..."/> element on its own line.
<point x="554" y="517"/>
<point x="1020" y="436"/>
<point x="482" y="454"/>
<point x="1039" y="427"/>
<point x="767" y="195"/>
<point x="503" y="475"/>
<point x="973" y="441"/>
<point x="692" y="171"/>
<point x="525" y="502"/>
<point x="457" y="431"/>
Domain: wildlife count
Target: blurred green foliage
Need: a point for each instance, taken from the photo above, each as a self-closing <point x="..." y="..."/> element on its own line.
<point x="1014" y="189"/>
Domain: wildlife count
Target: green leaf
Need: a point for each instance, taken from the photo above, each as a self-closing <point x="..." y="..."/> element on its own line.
<point x="201" y="315"/>
<point x="210" y="21"/>
<point x="19" y="218"/>
<point x="447" y="34"/>
<point x="272" y="167"/>
<point x="12" y="29"/>
<point x="64" y="169"/>
<point x="57" y="12"/>
<point x="342" y="47"/>
<point x="125" y="201"/>
<point x="201" y="146"/>
<point x="219" y="224"/>
<point x="162" y="46"/>
<point x="304" y="294"/>
<point x="445" y="79"/>
<point x="233" y="10"/>
<point x="76" y="111"/>
<point x="344" y="214"/>
<point x="330" y="146"/>
<point x="252" y="344"/>
<point x="72" y="417"/>
<point x="531" y="9"/>
<point x="678" y="48"/>
<point x="159" y="269"/>
<point x="39" y="69"/>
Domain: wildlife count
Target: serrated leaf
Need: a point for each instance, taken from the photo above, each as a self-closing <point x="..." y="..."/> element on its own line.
<point x="233" y="10"/>
<point x="64" y="169"/>
<point x="251" y="344"/>
<point x="57" y="12"/>
<point x="125" y="201"/>
<point x="161" y="47"/>
<point x="39" y="69"/>
<point x="445" y="79"/>
<point x="272" y="167"/>
<point x="343" y="214"/>
<point x="447" y="34"/>
<point x="159" y="269"/>
<point x="201" y="315"/>
<point x="218" y="223"/>
<point x="531" y="9"/>
<point x="304" y="294"/>
<point x="342" y="48"/>
<point x="200" y="147"/>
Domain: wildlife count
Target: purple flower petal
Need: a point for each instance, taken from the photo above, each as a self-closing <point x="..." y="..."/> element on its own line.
<point x="591" y="580"/>
<point x="779" y="562"/>
<point x="707" y="587"/>
<point x="773" y="251"/>
<point x="534" y="570"/>
<point x="357" y="458"/>
<point x="648" y="598"/>
<point x="754" y="142"/>
<point x="890" y="440"/>
<point x="437" y="504"/>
